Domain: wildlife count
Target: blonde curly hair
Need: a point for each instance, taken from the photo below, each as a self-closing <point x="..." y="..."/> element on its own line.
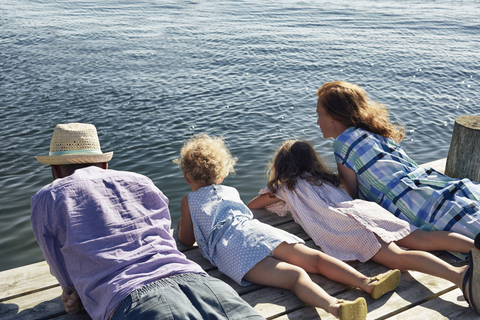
<point x="206" y="159"/>
<point x="349" y="104"/>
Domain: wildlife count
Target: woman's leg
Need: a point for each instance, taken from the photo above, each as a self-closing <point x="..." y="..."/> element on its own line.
<point x="437" y="240"/>
<point x="392" y="256"/>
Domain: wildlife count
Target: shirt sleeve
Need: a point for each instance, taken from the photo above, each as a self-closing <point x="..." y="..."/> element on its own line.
<point x="344" y="151"/>
<point x="49" y="244"/>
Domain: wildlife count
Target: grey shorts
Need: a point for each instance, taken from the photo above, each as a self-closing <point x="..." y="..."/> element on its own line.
<point x="185" y="296"/>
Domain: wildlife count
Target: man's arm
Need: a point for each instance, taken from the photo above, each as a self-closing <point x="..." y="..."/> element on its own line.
<point x="51" y="251"/>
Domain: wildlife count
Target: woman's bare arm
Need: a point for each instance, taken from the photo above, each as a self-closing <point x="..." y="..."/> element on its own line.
<point x="349" y="180"/>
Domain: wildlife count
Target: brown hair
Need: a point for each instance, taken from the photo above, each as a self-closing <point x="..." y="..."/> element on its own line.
<point x="297" y="159"/>
<point x="207" y="159"/>
<point x="350" y="105"/>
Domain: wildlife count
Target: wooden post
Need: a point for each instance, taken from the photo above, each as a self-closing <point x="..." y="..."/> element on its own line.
<point x="463" y="159"/>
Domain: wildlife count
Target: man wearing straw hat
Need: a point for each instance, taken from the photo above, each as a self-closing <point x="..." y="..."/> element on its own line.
<point x="106" y="236"/>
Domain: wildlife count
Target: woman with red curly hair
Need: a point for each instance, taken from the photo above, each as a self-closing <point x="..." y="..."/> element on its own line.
<point x="374" y="167"/>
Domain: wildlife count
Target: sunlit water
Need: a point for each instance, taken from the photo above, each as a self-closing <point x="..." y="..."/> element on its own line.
<point x="149" y="74"/>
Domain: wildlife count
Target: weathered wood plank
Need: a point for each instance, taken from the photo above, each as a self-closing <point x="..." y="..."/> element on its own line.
<point x="45" y="304"/>
<point x="438" y="165"/>
<point x="306" y="313"/>
<point x="25" y="279"/>
<point x="450" y="305"/>
<point x="80" y="316"/>
<point x="36" y="305"/>
<point x="414" y="288"/>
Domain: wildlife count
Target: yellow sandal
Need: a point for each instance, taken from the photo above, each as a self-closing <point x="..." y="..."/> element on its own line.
<point x="351" y="310"/>
<point x="384" y="284"/>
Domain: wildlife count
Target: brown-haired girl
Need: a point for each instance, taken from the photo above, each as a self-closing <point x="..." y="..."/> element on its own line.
<point x="347" y="229"/>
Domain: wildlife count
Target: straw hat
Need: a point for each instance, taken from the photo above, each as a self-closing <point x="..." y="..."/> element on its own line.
<point x="74" y="143"/>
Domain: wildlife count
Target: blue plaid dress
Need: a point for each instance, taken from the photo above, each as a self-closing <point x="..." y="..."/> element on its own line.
<point x="423" y="196"/>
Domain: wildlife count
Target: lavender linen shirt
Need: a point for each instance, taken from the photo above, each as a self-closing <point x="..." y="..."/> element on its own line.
<point x="107" y="233"/>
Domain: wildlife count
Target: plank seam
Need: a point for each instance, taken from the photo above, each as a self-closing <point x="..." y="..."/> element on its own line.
<point x="413" y="305"/>
<point x="28" y="292"/>
<point x="280" y="314"/>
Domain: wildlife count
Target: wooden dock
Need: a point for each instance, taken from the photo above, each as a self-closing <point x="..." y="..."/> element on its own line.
<point x="30" y="292"/>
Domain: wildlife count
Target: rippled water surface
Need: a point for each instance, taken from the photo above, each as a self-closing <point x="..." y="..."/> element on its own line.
<point x="149" y="74"/>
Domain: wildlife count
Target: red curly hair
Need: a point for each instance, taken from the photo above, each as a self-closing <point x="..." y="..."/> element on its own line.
<point x="350" y="105"/>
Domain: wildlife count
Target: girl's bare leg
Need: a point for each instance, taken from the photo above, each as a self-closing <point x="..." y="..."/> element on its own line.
<point x="315" y="261"/>
<point x="276" y="273"/>
<point x="393" y="257"/>
<point x="437" y="240"/>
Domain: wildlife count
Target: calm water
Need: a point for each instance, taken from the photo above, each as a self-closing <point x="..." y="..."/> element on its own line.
<point x="149" y="74"/>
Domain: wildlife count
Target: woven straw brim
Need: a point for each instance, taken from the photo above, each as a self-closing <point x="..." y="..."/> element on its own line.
<point x="75" y="158"/>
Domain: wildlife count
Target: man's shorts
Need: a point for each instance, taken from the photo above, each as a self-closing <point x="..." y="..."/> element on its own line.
<point x="185" y="296"/>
